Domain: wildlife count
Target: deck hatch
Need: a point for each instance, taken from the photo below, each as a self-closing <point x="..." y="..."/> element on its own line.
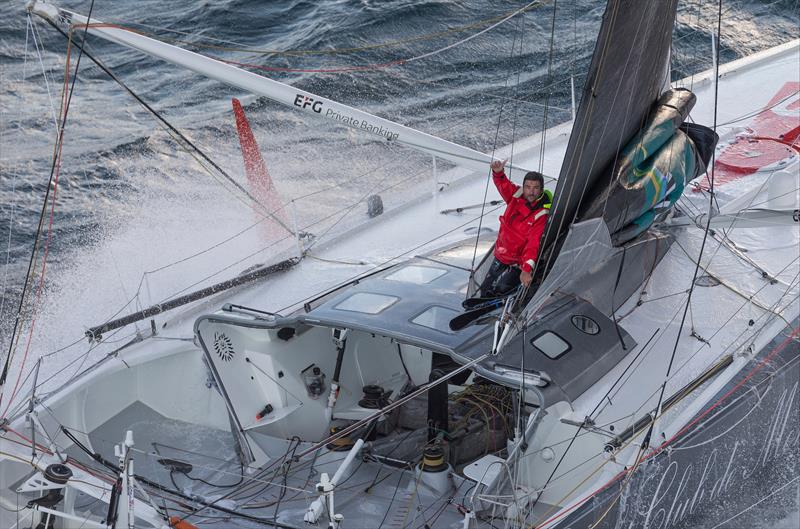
<point x="436" y="318"/>
<point x="551" y="344"/>
<point x="367" y="303"/>
<point x="420" y="275"/>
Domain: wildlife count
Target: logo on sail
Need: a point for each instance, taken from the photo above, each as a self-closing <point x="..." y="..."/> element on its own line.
<point x="223" y="346"/>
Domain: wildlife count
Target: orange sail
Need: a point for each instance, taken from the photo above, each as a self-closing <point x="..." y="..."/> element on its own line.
<point x="258" y="178"/>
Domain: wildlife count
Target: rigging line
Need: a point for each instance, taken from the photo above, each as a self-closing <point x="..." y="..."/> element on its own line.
<point x="376" y="168"/>
<point x="386" y="261"/>
<point x="256" y="481"/>
<point x="622" y="488"/>
<point x="486" y="94"/>
<point x="458" y="43"/>
<point x="350" y="208"/>
<point x="243" y="259"/>
<point x="490" y="175"/>
<point x="790" y="337"/>
<point x="580" y="428"/>
<point x="520" y="30"/>
<point x="336" y="51"/>
<point x="262" y="220"/>
<point x="391" y="501"/>
<point x="274" y="243"/>
<point x="754" y="206"/>
<point x="602" y="401"/>
<point x="375" y="66"/>
<point x="73" y="361"/>
<point x="647" y="437"/>
<point x="736" y="218"/>
<point x="518" y="424"/>
<point x="521" y="401"/>
<point x="645" y="400"/>
<point x="748" y="298"/>
<point x="13" y="184"/>
<point x="274" y="381"/>
<point x="547" y="94"/>
<point x="642" y="288"/>
<point x="759" y="111"/>
<point x="566" y="496"/>
<point x="283" y="206"/>
<point x="235" y="491"/>
<point x="701" y="346"/>
<point x="169" y="127"/>
<point x="582" y="139"/>
<point x="52" y="183"/>
<point x="395" y="404"/>
<point x="162" y="488"/>
<point x="667" y="442"/>
<point x="39" y="54"/>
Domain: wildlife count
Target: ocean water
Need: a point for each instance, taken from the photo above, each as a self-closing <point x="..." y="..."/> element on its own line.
<point x="137" y="219"/>
<point x="127" y="191"/>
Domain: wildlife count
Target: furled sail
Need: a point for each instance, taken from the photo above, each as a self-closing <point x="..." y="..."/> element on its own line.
<point x="651" y="172"/>
<point x="626" y="76"/>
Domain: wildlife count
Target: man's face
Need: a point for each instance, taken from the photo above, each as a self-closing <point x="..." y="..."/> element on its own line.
<point x="531" y="190"/>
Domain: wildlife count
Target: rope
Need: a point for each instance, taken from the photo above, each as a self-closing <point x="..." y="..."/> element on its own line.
<point x="494" y="149"/>
<point x="336" y="51"/>
<point x="547" y="94"/>
<point x="11" y="218"/>
<point x="36" y="43"/>
<point x="367" y="67"/>
<point x="190" y="147"/>
<point x="665" y="444"/>
<point x="307" y="195"/>
<point x="55" y="171"/>
<point x="702" y="245"/>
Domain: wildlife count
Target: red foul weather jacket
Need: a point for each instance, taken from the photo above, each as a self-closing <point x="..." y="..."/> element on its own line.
<point x="521" y="226"/>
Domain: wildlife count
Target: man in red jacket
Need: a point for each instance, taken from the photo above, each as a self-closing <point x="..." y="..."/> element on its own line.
<point x="521" y="229"/>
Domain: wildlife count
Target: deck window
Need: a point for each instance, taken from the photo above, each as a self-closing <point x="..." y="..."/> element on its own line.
<point x="367" y="303"/>
<point x="550" y="344"/>
<point x="420" y="275"/>
<point x="436" y="318"/>
<point x="464" y="255"/>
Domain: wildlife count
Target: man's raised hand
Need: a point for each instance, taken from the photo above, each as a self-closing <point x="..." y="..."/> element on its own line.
<point x="497" y="165"/>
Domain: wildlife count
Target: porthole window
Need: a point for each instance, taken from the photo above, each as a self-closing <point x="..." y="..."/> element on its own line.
<point x="585" y="324"/>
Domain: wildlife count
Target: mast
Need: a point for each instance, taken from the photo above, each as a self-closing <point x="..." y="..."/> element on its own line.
<point x="300" y="100"/>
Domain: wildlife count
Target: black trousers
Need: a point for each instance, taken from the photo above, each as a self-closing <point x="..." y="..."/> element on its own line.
<point x="500" y="279"/>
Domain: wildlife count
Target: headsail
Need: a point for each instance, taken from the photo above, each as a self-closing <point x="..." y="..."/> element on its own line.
<point x="625" y="78"/>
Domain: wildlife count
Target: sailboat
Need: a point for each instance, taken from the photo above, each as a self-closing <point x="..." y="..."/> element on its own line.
<point x="588" y="400"/>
